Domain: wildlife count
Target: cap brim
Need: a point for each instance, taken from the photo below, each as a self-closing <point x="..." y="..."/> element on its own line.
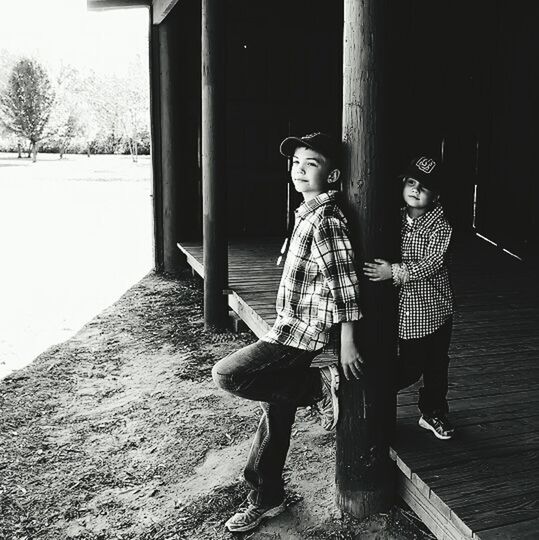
<point x="289" y="145"/>
<point x="430" y="184"/>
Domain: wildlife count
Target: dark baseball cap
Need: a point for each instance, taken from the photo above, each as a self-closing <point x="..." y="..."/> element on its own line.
<point x="427" y="171"/>
<point x="320" y="142"/>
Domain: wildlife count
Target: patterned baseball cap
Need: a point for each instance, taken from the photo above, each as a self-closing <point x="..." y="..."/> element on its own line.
<point x="426" y="171"/>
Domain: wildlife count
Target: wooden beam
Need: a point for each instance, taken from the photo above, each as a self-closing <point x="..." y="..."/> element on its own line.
<point x="161" y="8"/>
<point x="364" y="472"/>
<point x="214" y="164"/>
<point x="100" y="5"/>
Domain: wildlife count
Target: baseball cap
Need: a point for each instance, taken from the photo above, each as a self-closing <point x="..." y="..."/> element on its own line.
<point x="426" y="171"/>
<point x="318" y="141"/>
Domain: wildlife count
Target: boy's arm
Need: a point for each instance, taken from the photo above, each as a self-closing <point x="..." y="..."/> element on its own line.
<point x="351" y="360"/>
<point x="414" y="270"/>
<point x="333" y="253"/>
<point x="332" y="250"/>
<point x="410" y="270"/>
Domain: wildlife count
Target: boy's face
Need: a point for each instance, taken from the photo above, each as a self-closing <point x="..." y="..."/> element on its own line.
<point x="417" y="196"/>
<point x="311" y="172"/>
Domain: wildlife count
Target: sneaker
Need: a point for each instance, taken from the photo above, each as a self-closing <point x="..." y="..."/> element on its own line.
<point x="438" y="424"/>
<point x="250" y="516"/>
<point x="328" y="406"/>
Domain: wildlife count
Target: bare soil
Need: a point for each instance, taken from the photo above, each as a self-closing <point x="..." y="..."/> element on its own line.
<point x="119" y="433"/>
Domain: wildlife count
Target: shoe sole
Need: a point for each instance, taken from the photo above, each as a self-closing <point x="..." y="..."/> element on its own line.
<point x="335" y="382"/>
<point x="426" y="425"/>
<point x="272" y="512"/>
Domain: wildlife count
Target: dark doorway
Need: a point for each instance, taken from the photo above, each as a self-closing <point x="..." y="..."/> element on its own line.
<point x="284" y="75"/>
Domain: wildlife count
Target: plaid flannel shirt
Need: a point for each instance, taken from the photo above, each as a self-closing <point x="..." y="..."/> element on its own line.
<point x="425" y="295"/>
<point x="319" y="286"/>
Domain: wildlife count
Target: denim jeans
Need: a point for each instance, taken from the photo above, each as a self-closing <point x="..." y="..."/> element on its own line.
<point x="427" y="357"/>
<point x="281" y="379"/>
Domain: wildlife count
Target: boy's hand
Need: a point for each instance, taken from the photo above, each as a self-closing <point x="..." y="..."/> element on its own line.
<point x="379" y="270"/>
<point x="351" y="361"/>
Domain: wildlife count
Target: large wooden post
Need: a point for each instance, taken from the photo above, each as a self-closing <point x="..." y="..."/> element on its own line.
<point x="155" y="116"/>
<point x="213" y="164"/>
<point x="170" y="169"/>
<point x="175" y="79"/>
<point x="364" y="471"/>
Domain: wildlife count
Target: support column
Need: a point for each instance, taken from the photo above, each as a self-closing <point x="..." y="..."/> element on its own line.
<point x="176" y="121"/>
<point x="171" y="173"/>
<point x="213" y="164"/>
<point x="364" y="471"/>
<point x="155" y="112"/>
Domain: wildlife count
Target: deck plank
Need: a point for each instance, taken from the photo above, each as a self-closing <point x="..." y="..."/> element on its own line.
<point x="522" y="530"/>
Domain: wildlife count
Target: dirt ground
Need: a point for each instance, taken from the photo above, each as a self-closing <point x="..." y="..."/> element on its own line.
<point x="119" y="433"/>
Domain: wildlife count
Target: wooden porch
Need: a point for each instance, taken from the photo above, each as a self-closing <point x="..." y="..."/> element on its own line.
<point x="483" y="484"/>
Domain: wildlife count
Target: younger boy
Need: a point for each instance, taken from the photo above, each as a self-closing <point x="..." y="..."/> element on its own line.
<point x="317" y="294"/>
<point x="425" y="294"/>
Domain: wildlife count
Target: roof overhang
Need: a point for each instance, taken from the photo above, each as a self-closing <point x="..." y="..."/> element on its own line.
<point x="160" y="8"/>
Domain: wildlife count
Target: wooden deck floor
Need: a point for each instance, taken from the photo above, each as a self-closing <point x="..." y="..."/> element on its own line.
<point x="484" y="483"/>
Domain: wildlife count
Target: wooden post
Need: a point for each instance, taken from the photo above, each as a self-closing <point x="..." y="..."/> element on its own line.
<point x="155" y="127"/>
<point x="171" y="172"/>
<point x="364" y="471"/>
<point x="175" y="108"/>
<point x="213" y="164"/>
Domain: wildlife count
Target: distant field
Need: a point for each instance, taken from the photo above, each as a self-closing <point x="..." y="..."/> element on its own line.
<point x="75" y="234"/>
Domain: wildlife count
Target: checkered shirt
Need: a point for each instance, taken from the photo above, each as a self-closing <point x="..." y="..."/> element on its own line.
<point x="425" y="295"/>
<point x="319" y="286"/>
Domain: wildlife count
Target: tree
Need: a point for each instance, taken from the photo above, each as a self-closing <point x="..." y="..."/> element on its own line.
<point x="65" y="122"/>
<point x="135" y="114"/>
<point x="26" y="103"/>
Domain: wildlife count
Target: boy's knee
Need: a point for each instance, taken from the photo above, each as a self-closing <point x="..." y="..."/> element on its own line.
<point x="221" y="375"/>
<point x="217" y="377"/>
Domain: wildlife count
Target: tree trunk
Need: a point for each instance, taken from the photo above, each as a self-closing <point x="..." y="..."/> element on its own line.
<point x="62" y="149"/>
<point x="34" y="151"/>
<point x="132" y="149"/>
<point x="19" y="150"/>
<point x="88" y="149"/>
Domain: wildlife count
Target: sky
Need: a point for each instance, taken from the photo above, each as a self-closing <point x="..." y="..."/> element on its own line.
<point x="64" y="31"/>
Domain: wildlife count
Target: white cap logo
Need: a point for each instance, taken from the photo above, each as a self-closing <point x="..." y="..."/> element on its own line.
<point x="425" y="165"/>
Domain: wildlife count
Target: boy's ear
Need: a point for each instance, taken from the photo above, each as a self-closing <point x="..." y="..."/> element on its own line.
<point x="334" y="176"/>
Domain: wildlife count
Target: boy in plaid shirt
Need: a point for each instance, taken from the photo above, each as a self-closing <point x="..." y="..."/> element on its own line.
<point x="318" y="294"/>
<point x="425" y="293"/>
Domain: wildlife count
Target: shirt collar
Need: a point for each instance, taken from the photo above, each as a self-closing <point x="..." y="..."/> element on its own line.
<point x="310" y="206"/>
<point x="427" y="218"/>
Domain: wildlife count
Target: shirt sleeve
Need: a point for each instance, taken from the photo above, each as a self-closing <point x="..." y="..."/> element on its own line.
<point x="332" y="251"/>
<point x="434" y="256"/>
